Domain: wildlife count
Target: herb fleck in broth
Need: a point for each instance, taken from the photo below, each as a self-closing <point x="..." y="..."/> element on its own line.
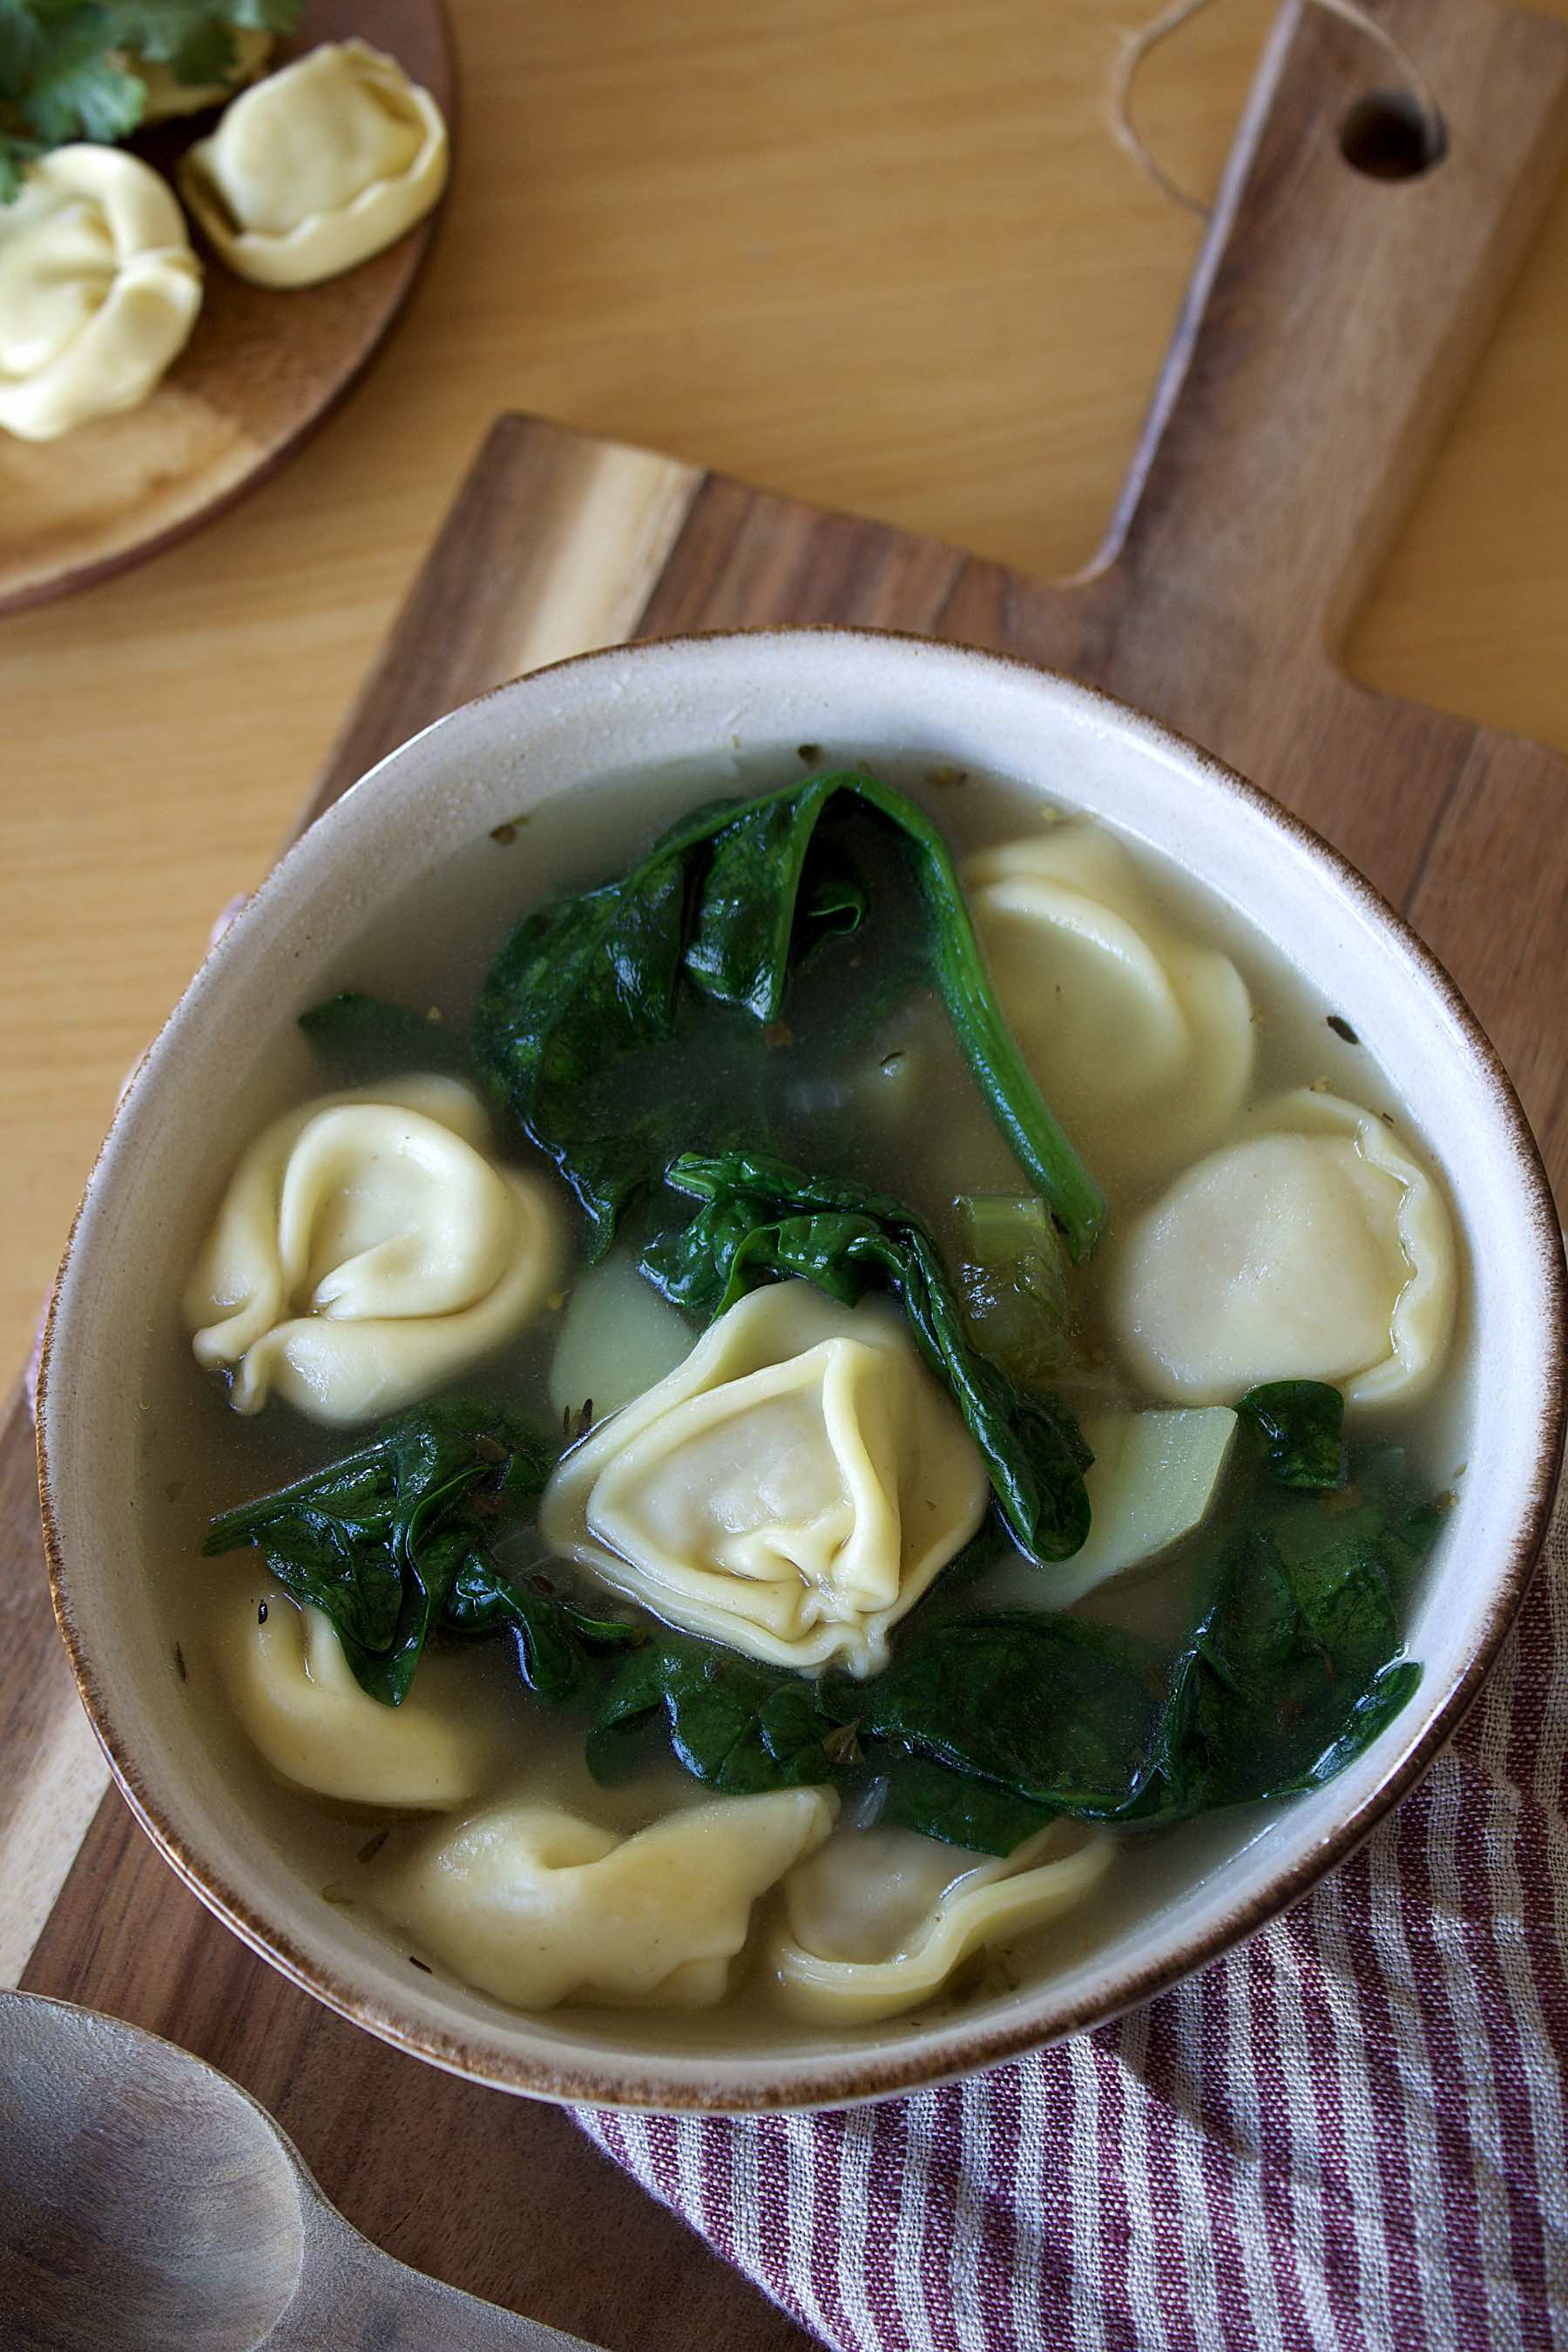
<point x="860" y="1078"/>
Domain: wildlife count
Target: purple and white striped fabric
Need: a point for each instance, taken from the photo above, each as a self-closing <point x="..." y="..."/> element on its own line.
<point x="1349" y="2135"/>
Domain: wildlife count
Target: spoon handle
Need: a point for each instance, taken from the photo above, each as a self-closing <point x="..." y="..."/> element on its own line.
<point x="355" y="2298"/>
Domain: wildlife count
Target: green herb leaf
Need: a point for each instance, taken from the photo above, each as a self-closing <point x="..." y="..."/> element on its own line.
<point x="78" y="92"/>
<point x="16" y="154"/>
<point x="68" y="68"/>
<point x="763" y="1220"/>
<point x="1301" y="1423"/>
<point x="24" y="39"/>
<point x="191" y="37"/>
<point x="724" y="905"/>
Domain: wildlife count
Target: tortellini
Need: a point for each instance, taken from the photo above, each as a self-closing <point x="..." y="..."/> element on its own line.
<point x="536" y="1905"/>
<point x="367" y="1250"/>
<point x="1316" y="1247"/>
<point x="294" y="1691"/>
<point x="1139" y="1040"/>
<point x="792" y="1489"/>
<point x="317" y="167"/>
<point x="98" y="289"/>
<point x="879" y="1919"/>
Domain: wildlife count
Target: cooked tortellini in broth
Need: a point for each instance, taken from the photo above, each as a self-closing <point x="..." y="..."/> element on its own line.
<point x="368" y="1249"/>
<point x="536" y="1905"/>
<point x="879" y="1921"/>
<point x="733" y="1632"/>
<point x="791" y="1489"/>
<point x="317" y="167"/>
<point x="1317" y="1246"/>
<point x="98" y="289"/>
<point x="1141" y="1040"/>
<point x="293" y="1690"/>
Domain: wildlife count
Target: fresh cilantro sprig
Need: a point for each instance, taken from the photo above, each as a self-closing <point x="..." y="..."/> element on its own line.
<point x="69" y="68"/>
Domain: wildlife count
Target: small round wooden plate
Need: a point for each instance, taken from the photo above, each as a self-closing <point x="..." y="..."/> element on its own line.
<point x="259" y="373"/>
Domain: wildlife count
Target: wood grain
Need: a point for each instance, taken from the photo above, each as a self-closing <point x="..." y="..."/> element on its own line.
<point x="260" y="372"/>
<point x="1276" y="448"/>
<point x="55" y="1775"/>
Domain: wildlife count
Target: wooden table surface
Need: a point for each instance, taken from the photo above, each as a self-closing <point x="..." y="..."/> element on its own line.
<point x="882" y="254"/>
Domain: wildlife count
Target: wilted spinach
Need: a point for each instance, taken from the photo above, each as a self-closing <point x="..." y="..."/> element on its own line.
<point x="987" y="1725"/>
<point x="734" y="1723"/>
<point x="723" y="906"/>
<point x="762" y="1220"/>
<point x="1047" y="1708"/>
<point x="1291" y="1669"/>
<point x="920" y="1795"/>
<point x="1301" y="1423"/>
<point x="742" y="1727"/>
<point x="391" y="1542"/>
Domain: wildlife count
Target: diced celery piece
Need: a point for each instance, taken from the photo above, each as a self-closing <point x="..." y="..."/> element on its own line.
<point x="1013" y="1281"/>
<point x="1153" y="1479"/>
<point x="619" y="1340"/>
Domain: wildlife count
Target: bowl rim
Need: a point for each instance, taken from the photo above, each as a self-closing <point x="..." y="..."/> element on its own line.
<point x="943" y="2054"/>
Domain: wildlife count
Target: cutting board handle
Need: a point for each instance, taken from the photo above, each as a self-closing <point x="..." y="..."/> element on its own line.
<point x="1333" y="317"/>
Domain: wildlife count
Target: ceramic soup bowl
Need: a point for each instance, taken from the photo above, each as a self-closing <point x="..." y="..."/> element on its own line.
<point x="694" y="717"/>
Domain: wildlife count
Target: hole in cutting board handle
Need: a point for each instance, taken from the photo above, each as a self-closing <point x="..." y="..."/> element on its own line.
<point x="1390" y="135"/>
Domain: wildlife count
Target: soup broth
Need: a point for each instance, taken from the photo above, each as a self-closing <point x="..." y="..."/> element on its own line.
<point x="860" y="1078"/>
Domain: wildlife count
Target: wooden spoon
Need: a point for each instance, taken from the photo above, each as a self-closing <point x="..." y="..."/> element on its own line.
<point x="149" y="2202"/>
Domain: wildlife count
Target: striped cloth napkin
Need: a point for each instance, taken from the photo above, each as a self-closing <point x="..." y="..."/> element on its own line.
<point x="1349" y="2135"/>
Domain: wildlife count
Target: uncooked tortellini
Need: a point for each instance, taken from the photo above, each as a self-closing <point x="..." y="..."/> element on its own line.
<point x="317" y="167"/>
<point x="535" y="1905"/>
<point x="792" y="1489"/>
<point x="294" y="1691"/>
<point x="877" y="1921"/>
<point x="367" y="1250"/>
<point x="98" y="289"/>
<point x="1316" y="1247"/>
<point x="1139" y="1040"/>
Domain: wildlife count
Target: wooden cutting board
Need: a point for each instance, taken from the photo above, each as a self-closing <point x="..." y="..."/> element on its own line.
<point x="1332" y="320"/>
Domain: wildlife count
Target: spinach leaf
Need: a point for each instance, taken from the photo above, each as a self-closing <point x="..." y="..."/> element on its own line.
<point x="985" y="1726"/>
<point x="1291" y="1670"/>
<point x="390" y="1542"/>
<point x="940" y="1804"/>
<point x="763" y="1220"/>
<point x="743" y="1727"/>
<point x="732" y="1722"/>
<point x="723" y="906"/>
<point x="1051" y="1709"/>
<point x="1302" y="1424"/>
<point x="551" y="1634"/>
<point x="359" y="1039"/>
